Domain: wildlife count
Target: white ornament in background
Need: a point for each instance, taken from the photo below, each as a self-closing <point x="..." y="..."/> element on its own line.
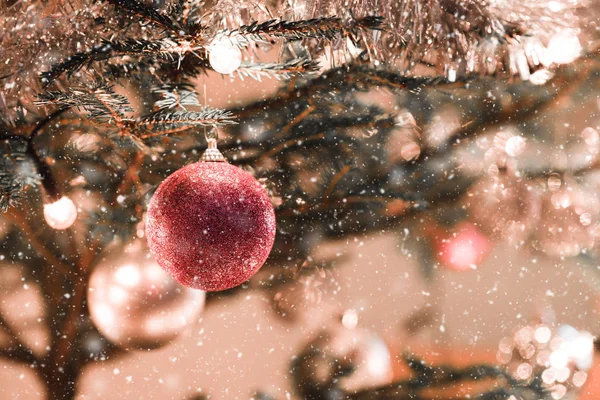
<point x="61" y="214"/>
<point x="224" y="57"/>
<point x="135" y="304"/>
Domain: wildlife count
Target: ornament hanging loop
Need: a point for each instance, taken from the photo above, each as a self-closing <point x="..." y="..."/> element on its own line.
<point x="212" y="153"/>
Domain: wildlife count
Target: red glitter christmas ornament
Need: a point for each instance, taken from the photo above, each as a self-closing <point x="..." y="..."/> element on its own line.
<point x="210" y="225"/>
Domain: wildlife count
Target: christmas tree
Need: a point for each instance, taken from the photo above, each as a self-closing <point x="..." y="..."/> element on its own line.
<point x="299" y="199"/>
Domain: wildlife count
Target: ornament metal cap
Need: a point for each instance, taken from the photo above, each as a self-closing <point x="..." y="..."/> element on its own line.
<point x="212" y="153"/>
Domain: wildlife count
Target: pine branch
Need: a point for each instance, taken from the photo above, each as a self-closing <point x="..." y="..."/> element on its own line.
<point x="354" y="77"/>
<point x="11" y="191"/>
<point x="99" y="102"/>
<point x="376" y="77"/>
<point x="316" y="28"/>
<point x="168" y="120"/>
<point x="137" y="70"/>
<point x="363" y="77"/>
<point x="188" y="65"/>
<point x="165" y="49"/>
<point x="283" y="71"/>
<point x="148" y="13"/>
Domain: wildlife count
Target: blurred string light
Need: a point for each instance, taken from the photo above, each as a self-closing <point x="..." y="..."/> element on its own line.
<point x="350" y="319"/>
<point x="223" y="56"/>
<point x="60" y="214"/>
<point x="561" y="357"/>
<point x="515" y="145"/>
